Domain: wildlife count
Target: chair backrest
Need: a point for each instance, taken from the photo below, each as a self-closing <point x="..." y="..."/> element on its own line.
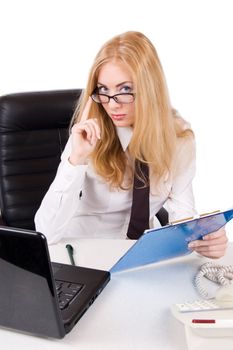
<point x="33" y="132"/>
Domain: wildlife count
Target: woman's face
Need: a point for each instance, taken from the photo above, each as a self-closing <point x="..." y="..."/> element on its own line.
<point x="114" y="78"/>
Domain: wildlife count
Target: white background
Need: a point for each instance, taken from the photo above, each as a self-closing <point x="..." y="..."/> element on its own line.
<point x="50" y="44"/>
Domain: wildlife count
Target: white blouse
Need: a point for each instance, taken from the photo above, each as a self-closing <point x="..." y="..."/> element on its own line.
<point x="80" y="204"/>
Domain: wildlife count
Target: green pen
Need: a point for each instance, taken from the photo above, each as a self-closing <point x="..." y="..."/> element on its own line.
<point x="70" y="250"/>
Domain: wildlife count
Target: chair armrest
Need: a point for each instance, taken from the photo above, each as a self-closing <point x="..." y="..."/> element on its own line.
<point x="162" y="216"/>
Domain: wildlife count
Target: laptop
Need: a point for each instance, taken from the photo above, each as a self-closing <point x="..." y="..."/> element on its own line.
<point x="39" y="297"/>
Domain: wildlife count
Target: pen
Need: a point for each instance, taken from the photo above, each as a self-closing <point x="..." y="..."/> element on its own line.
<point x="70" y="250"/>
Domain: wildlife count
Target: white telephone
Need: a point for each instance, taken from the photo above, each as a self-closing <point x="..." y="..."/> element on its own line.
<point x="208" y="314"/>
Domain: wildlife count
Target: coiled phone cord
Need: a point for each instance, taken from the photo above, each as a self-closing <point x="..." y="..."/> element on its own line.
<point x="220" y="274"/>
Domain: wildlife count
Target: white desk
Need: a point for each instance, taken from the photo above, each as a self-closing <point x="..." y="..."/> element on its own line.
<point x="133" y="311"/>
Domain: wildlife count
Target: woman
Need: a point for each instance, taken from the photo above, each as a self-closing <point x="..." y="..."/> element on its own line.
<point x="124" y="115"/>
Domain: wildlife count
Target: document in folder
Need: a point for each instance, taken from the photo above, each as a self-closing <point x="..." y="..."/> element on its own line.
<point x="170" y="241"/>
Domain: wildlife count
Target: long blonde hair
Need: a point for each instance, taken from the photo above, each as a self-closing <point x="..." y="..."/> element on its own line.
<point x="155" y="129"/>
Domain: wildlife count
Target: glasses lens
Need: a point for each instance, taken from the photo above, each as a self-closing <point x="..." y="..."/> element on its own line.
<point x="119" y="98"/>
<point x="124" y="98"/>
<point x="99" y="98"/>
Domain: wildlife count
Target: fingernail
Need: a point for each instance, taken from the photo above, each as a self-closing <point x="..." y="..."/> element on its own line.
<point x="191" y="245"/>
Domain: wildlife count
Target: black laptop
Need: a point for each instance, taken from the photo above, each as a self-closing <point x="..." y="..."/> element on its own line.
<point x="37" y="296"/>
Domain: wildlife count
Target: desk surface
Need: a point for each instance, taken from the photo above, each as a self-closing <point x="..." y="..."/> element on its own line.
<point x="133" y="311"/>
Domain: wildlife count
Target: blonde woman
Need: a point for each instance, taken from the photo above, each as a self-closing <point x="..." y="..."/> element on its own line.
<point x="123" y="115"/>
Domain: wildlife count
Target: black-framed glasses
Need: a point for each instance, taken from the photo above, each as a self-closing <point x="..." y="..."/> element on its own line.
<point x="119" y="98"/>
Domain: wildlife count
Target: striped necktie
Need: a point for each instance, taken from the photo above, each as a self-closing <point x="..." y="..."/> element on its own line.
<point x="140" y="210"/>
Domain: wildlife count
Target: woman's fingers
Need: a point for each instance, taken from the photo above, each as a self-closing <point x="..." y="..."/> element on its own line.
<point x="221" y="233"/>
<point x="212" y="245"/>
<point x="85" y="135"/>
<point x="86" y="110"/>
<point x="89" y="129"/>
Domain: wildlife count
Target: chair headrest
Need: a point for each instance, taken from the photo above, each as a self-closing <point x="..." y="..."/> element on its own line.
<point x="37" y="110"/>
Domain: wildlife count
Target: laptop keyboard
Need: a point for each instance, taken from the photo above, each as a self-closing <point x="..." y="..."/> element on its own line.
<point x="66" y="292"/>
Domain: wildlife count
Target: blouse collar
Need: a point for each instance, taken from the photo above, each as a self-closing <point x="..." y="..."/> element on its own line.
<point x="125" y="134"/>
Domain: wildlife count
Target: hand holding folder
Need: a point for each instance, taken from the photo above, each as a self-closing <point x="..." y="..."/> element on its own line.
<point x="170" y="241"/>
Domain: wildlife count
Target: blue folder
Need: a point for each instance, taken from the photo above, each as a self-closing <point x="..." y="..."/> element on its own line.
<point x="170" y="241"/>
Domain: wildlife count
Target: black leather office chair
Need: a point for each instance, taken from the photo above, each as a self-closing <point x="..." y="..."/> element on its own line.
<point x="33" y="133"/>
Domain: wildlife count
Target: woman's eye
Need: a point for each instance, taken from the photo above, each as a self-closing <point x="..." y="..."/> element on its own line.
<point x="102" y="90"/>
<point x="126" y="89"/>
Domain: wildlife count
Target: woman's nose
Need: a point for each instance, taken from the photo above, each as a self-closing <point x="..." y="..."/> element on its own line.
<point x="113" y="103"/>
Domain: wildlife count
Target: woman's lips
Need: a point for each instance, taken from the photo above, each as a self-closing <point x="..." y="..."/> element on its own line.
<point x="118" y="116"/>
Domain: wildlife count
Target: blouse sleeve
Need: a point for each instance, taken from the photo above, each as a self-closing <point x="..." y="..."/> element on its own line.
<point x="180" y="203"/>
<point x="61" y="200"/>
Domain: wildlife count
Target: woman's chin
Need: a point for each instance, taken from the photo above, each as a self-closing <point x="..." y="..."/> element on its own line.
<point x="122" y="123"/>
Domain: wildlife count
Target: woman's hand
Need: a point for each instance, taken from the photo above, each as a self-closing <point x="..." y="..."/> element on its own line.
<point x="85" y="135"/>
<point x="212" y="245"/>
